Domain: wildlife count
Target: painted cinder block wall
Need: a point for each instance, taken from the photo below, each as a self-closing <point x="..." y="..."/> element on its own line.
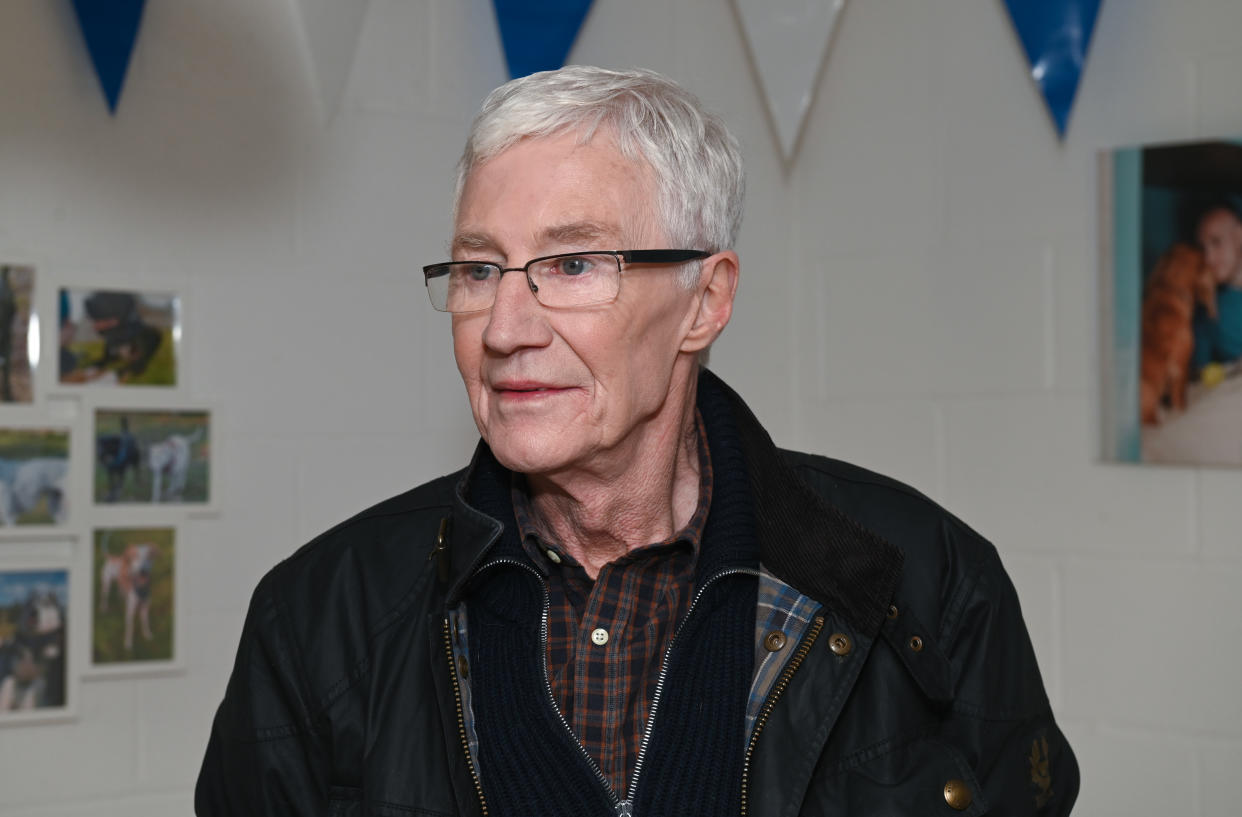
<point x="918" y="296"/>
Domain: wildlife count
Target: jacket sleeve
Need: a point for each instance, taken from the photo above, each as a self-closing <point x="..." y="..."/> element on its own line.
<point x="264" y="756"/>
<point x="1000" y="710"/>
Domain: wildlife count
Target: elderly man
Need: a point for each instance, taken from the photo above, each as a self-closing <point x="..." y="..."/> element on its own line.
<point x="631" y="602"/>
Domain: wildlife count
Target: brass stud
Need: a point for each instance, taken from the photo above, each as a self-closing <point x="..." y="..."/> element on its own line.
<point x="916" y="643"/>
<point x="463" y="667"/>
<point x="774" y="641"/>
<point x="957" y="794"/>
<point x="840" y="643"/>
<point x="892" y="611"/>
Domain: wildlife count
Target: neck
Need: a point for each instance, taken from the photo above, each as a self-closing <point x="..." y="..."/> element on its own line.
<point x="641" y="493"/>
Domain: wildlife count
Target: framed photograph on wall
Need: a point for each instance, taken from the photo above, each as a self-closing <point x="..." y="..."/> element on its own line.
<point x="19" y="333"/>
<point x="35" y="479"/>
<point x="135" y="619"/>
<point x="36" y="679"/>
<point x="1171" y="293"/>
<point x="118" y="338"/>
<point x="153" y="456"/>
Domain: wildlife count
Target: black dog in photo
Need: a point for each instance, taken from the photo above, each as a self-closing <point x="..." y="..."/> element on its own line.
<point x="118" y="453"/>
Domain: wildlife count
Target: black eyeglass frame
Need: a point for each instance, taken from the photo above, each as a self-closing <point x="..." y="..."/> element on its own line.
<point x="628" y="256"/>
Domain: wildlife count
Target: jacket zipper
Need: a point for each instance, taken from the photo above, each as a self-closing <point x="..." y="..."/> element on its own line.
<point x="817" y="624"/>
<point x="461" y="718"/>
<point x="659" y="690"/>
<point x="621" y="809"/>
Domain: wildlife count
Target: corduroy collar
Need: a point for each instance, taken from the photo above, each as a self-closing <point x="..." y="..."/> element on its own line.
<point x="804" y="541"/>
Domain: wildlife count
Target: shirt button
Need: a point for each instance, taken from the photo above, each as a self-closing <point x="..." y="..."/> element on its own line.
<point x="599" y="636"/>
<point x="773" y="641"/>
<point x="554" y="557"/>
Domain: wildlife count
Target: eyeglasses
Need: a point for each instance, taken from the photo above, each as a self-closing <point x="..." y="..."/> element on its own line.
<point x="566" y="280"/>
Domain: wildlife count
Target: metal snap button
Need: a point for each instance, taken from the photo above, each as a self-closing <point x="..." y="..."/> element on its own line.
<point x="892" y="611"/>
<point x="463" y="666"/>
<point x="916" y="643"/>
<point x="774" y="641"/>
<point x="599" y="636"/>
<point x="957" y="794"/>
<point x="840" y="643"/>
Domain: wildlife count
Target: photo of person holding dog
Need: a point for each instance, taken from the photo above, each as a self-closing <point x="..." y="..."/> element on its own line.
<point x="118" y="338"/>
<point x="1190" y="309"/>
<point x="134" y="595"/>
<point x="152" y="457"/>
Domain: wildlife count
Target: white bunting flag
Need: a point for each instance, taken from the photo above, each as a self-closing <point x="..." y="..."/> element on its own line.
<point x="788" y="41"/>
<point x="331" y="28"/>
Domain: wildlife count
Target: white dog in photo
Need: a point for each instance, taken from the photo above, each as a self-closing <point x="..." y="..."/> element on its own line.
<point x="24" y="482"/>
<point x="130" y="573"/>
<point x="169" y="459"/>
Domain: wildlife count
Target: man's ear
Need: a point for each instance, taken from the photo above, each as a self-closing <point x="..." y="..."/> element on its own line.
<point x="717" y="286"/>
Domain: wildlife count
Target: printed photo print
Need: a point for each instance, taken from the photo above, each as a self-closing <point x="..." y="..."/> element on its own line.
<point x="118" y="338"/>
<point x="134" y="604"/>
<point x="19" y="334"/>
<point x="151" y="457"/>
<point x="34" y="467"/>
<point x="34" y="607"/>
<point x="1176" y="393"/>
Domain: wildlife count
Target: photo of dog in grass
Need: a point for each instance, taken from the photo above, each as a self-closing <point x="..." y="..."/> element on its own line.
<point x="134" y="595"/>
<point x="34" y="467"/>
<point x="152" y="456"/>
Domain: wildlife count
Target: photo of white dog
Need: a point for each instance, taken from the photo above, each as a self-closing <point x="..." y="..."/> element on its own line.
<point x="134" y="595"/>
<point x="34" y="468"/>
<point x="169" y="459"/>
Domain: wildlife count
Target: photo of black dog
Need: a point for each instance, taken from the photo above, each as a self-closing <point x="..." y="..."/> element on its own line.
<point x="118" y="453"/>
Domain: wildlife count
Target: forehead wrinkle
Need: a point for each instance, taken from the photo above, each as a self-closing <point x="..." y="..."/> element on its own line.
<point x="579" y="233"/>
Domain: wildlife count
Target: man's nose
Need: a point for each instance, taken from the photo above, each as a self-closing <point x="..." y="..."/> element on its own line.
<point x="516" y="318"/>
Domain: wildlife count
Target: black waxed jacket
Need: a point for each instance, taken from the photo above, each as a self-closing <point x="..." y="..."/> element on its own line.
<point x="916" y="692"/>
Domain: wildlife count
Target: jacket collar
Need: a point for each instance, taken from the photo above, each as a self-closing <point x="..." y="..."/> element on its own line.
<point x="804" y="541"/>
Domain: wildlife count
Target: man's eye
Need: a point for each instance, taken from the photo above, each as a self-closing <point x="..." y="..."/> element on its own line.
<point x="478" y="272"/>
<point x="576" y="265"/>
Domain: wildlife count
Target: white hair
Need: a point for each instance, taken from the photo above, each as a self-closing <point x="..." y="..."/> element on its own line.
<point x="695" y="161"/>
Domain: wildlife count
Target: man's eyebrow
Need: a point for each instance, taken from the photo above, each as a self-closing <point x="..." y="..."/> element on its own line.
<point x="580" y="234"/>
<point x="472" y="241"/>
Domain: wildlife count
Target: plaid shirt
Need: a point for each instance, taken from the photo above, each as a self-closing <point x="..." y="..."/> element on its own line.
<point x="607" y="637"/>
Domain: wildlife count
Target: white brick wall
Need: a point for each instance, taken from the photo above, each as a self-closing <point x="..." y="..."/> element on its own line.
<point x="918" y="296"/>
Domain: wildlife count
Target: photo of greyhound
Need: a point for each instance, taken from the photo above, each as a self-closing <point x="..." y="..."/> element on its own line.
<point x="134" y="606"/>
<point x="129" y="572"/>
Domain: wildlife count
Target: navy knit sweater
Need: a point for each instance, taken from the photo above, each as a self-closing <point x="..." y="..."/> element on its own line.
<point x="531" y="764"/>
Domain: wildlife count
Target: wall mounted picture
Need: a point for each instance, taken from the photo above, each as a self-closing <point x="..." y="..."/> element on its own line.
<point x="19" y="333"/>
<point x="34" y="617"/>
<point x="134" y="599"/>
<point x="118" y="338"/>
<point x="34" y="478"/>
<point x="1172" y="300"/>
<point x="152" y="456"/>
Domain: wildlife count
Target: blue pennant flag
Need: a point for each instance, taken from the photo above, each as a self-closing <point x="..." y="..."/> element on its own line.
<point x="110" y="28"/>
<point x="537" y="34"/>
<point x="1055" y="34"/>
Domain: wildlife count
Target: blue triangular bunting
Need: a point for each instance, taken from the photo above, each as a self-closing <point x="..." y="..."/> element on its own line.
<point x="1056" y="35"/>
<point x="537" y="34"/>
<point x="110" y="28"/>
